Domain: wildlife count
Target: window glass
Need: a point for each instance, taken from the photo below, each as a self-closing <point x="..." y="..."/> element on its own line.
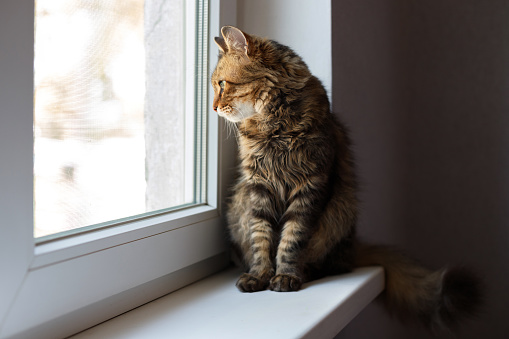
<point x="114" y="136"/>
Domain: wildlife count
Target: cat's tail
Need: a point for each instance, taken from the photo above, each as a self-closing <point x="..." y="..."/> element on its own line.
<point x="440" y="299"/>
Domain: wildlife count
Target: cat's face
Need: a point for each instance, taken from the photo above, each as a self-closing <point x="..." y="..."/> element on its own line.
<point x="233" y="97"/>
<point x="254" y="75"/>
<point x="239" y="87"/>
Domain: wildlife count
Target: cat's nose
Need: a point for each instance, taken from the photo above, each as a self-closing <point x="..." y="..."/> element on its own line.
<point x="215" y="108"/>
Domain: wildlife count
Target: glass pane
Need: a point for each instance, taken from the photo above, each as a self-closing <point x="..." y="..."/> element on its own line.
<point x="111" y="140"/>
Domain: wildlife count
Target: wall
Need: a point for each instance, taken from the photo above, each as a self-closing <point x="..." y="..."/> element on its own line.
<point x="424" y="87"/>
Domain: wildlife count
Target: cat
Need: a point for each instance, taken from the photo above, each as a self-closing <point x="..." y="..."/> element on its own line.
<point x="294" y="207"/>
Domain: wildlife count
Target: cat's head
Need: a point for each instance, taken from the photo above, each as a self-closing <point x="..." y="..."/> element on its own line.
<point x="253" y="74"/>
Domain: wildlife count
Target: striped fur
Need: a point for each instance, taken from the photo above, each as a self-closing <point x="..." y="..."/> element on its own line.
<point x="293" y="212"/>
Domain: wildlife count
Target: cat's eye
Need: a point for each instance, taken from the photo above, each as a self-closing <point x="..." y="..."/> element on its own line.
<point x="221" y="84"/>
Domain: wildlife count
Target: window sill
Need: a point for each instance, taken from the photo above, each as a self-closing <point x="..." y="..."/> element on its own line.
<point x="213" y="307"/>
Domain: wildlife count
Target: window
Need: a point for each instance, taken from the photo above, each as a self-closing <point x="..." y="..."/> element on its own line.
<point x="57" y="287"/>
<point x="114" y="117"/>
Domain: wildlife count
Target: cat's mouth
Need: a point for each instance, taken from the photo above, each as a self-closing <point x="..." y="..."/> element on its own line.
<point x="229" y="114"/>
<point x="236" y="113"/>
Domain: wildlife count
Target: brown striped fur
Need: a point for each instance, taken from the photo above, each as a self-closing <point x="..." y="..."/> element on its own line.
<point x="294" y="208"/>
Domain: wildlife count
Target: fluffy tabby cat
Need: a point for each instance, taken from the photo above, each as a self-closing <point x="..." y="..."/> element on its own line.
<point x="294" y="208"/>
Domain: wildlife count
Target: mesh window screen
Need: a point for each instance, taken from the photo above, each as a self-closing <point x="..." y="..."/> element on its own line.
<point x="94" y="130"/>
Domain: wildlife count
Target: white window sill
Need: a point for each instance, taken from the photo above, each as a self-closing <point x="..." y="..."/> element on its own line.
<point x="214" y="308"/>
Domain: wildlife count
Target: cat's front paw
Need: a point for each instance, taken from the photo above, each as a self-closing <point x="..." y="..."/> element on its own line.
<point x="285" y="283"/>
<point x="250" y="283"/>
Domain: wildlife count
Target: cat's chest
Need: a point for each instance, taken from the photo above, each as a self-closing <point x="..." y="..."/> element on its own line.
<point x="272" y="157"/>
<point x="271" y="138"/>
<point x="273" y="146"/>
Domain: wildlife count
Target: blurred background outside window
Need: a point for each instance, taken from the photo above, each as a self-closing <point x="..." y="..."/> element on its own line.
<point x="110" y="128"/>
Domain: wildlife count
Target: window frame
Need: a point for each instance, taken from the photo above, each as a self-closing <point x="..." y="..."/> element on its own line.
<point x="63" y="286"/>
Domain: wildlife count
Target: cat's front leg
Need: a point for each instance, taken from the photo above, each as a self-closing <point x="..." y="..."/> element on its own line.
<point x="298" y="221"/>
<point x="261" y="263"/>
<point x="288" y="272"/>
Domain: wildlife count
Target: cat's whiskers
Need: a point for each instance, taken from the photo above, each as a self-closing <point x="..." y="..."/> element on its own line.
<point x="231" y="129"/>
<point x="242" y="114"/>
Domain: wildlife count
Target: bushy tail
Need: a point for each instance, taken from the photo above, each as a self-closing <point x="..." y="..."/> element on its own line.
<point x="440" y="299"/>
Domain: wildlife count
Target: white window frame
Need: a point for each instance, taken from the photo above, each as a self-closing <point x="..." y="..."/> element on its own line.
<point x="58" y="288"/>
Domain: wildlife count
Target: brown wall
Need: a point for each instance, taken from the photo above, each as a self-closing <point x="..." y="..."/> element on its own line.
<point x="424" y="87"/>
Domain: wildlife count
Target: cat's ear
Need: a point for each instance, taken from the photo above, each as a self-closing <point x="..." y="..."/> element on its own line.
<point x="236" y="40"/>
<point x="221" y="44"/>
